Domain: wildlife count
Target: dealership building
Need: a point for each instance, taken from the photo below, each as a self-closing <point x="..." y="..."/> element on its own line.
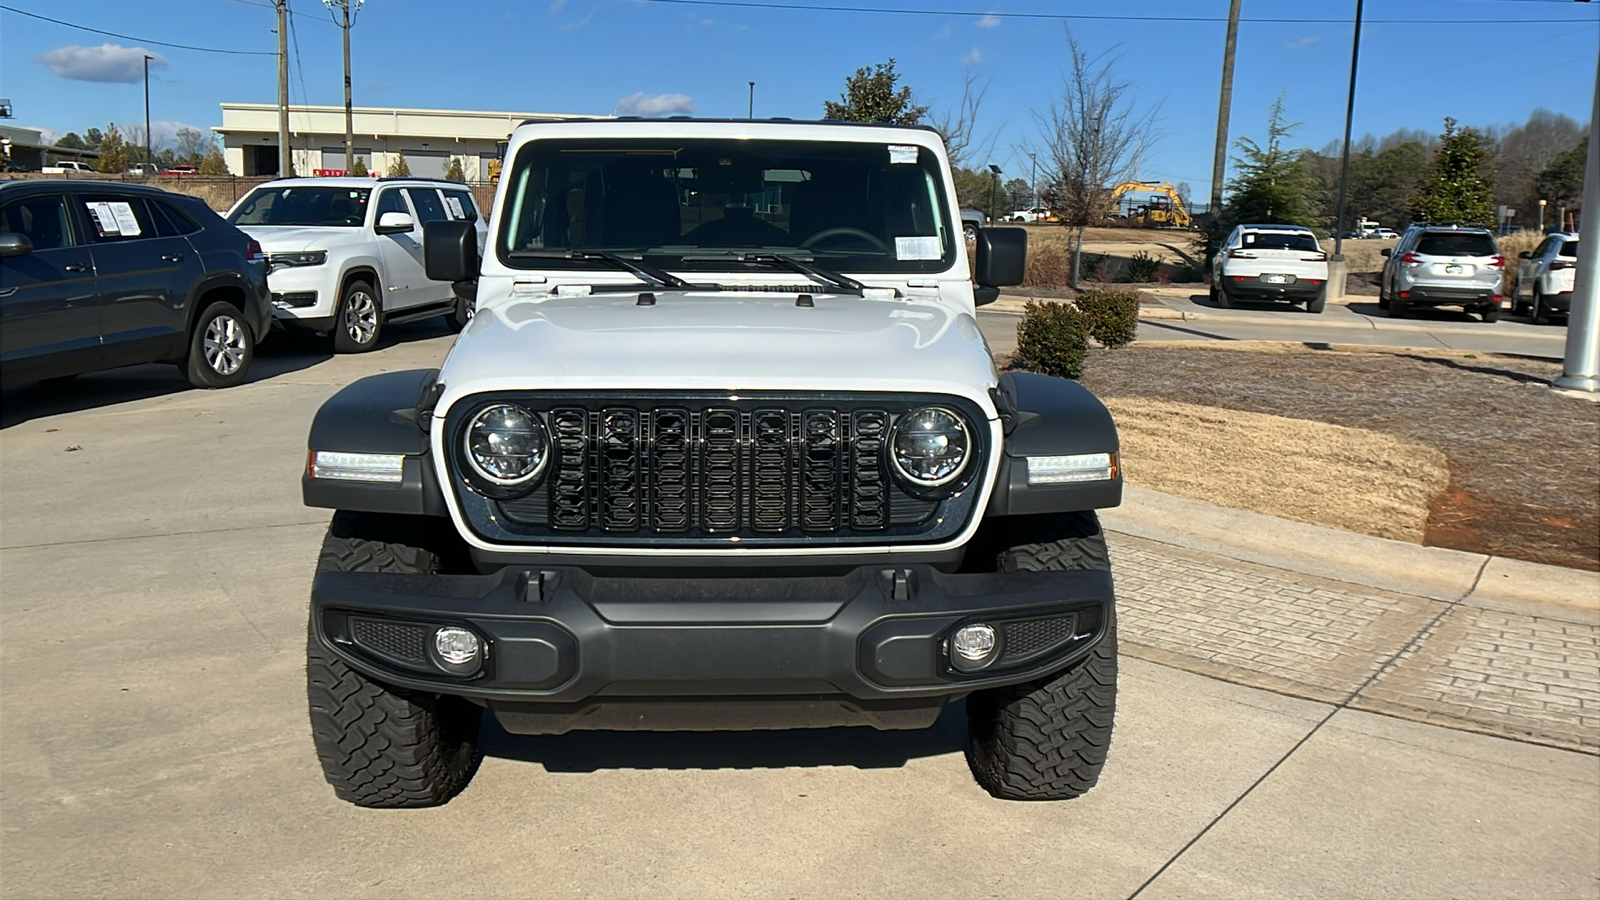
<point x="429" y="138"/>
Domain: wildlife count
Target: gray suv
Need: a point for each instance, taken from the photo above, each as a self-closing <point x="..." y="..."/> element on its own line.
<point x="1443" y="265"/>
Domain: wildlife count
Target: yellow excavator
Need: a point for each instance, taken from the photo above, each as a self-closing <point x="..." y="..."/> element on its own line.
<point x="498" y="161"/>
<point x="1154" y="204"/>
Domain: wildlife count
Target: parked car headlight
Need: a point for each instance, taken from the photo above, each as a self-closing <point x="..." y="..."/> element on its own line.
<point x="506" y="446"/>
<point x="296" y="259"/>
<point x="929" y="447"/>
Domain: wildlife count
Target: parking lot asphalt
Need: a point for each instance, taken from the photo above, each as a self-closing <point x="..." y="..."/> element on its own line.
<point x="154" y="566"/>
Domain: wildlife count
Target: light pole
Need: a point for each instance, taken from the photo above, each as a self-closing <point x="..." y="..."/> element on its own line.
<point x="1581" y="371"/>
<point x="146" y="169"/>
<point x="1336" y="272"/>
<point x="285" y="163"/>
<point x="994" y="192"/>
<point x="344" y="17"/>
<point x="1033" y="181"/>
<point x="751" y="114"/>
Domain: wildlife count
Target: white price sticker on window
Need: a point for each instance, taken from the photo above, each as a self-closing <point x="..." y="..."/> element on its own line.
<point x="104" y="221"/>
<point x="901" y="154"/>
<point x="454" y="205"/>
<point x="906" y="248"/>
<point x="127" y="222"/>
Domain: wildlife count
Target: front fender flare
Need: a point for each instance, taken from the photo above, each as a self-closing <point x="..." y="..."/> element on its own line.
<point x="1048" y="416"/>
<point x="379" y="414"/>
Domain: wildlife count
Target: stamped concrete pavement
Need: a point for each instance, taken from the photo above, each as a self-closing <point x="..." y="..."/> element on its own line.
<point x="154" y="740"/>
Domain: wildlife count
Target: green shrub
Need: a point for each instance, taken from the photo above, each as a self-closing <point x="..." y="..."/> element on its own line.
<point x="1109" y="316"/>
<point x="1142" y="267"/>
<point x="1051" y="338"/>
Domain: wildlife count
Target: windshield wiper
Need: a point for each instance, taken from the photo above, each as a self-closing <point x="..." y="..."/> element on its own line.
<point x="645" y="271"/>
<point x="827" y="277"/>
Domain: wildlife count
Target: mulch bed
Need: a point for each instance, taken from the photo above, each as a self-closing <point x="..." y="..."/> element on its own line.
<point x="1524" y="461"/>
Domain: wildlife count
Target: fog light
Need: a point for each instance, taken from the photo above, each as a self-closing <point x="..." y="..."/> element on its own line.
<point x="456" y="646"/>
<point x="972" y="647"/>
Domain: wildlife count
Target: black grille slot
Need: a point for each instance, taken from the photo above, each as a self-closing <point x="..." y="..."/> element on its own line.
<point x="1033" y="637"/>
<point x="569" y="489"/>
<point x="397" y="640"/>
<point x="822" y="455"/>
<point x="769" y="470"/>
<point x="669" y="467"/>
<point x="619" y="470"/>
<point x="720" y="452"/>
<point x="869" y="508"/>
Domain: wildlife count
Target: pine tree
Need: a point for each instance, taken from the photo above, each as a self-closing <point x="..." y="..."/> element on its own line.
<point x="870" y="95"/>
<point x="454" y="172"/>
<point x="1273" y="184"/>
<point x="113" y="151"/>
<point x="398" y="167"/>
<point x="359" y="168"/>
<point x="212" y="161"/>
<point x="1456" y="189"/>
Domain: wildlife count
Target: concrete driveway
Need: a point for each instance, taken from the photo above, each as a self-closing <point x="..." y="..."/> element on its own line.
<point x="154" y="565"/>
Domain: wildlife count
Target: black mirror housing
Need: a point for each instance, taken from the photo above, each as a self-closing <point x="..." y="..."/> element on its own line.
<point x="1386" y="252"/>
<point x="14" y="244"/>
<point x="1526" y="254"/>
<point x="450" y="250"/>
<point x="1002" y="261"/>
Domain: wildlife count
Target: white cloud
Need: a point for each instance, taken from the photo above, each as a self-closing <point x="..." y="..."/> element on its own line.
<point x="989" y="22"/>
<point x="973" y="56"/>
<point x="105" y="63"/>
<point x="163" y="132"/>
<point x="944" y="32"/>
<point x="49" y="136"/>
<point x="1306" y="41"/>
<point x="642" y="104"/>
<point x="555" y="6"/>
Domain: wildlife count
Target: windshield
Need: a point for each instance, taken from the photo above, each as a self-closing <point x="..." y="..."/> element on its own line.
<point x="318" y="206"/>
<point x="848" y="206"/>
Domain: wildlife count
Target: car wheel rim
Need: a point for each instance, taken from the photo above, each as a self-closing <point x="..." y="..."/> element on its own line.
<point x="361" y="317"/>
<point x="224" y="345"/>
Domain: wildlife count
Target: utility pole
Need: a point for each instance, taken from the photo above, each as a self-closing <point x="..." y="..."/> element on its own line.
<point x="752" y="112"/>
<point x="1336" y="267"/>
<point x="344" y="17"/>
<point x="1034" y="183"/>
<point x="147" y="159"/>
<point x="1224" y="110"/>
<point x="1582" y="369"/>
<point x="285" y="167"/>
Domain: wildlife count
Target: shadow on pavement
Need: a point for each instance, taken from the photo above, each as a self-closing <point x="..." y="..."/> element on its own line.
<point x="1158" y="323"/>
<point x="862" y="748"/>
<point x="1204" y="301"/>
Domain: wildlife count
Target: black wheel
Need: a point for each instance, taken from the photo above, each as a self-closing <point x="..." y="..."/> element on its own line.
<point x="1383" y="297"/>
<point x="1224" y="301"/>
<point x="220" y="348"/>
<point x="384" y="747"/>
<point x="1490" y="313"/>
<point x="1519" y="307"/>
<point x="970" y="231"/>
<point x="460" y="314"/>
<point x="359" y="319"/>
<point x="1319" y="303"/>
<point x="1212" y="291"/>
<point x="1048" y="739"/>
<point x="1538" y="314"/>
<point x="1397" y="308"/>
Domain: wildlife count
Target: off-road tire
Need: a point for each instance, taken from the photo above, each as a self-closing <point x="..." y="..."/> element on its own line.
<point x="358" y="322"/>
<point x="221" y="348"/>
<point x="384" y="747"/>
<point x="1048" y="739"/>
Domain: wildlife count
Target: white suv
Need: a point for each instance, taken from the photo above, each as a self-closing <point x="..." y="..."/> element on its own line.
<point x="1545" y="278"/>
<point x="345" y="254"/>
<point x="1271" y="262"/>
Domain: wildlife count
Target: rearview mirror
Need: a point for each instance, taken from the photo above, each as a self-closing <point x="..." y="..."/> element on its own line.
<point x="1002" y="261"/>
<point x="394" y="222"/>
<point x="1526" y="254"/>
<point x="1387" y="251"/>
<point x="15" y="244"/>
<point x="450" y="250"/>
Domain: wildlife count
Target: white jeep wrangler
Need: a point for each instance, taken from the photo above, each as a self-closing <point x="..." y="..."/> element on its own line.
<point x="723" y="448"/>
<point x="345" y="254"/>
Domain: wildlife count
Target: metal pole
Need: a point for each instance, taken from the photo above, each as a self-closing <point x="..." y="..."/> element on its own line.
<point x="349" y="116"/>
<point x="1224" y="110"/>
<point x="1034" y="181"/>
<point x="752" y="113"/>
<point x="1582" y="370"/>
<point x="146" y="169"/>
<point x="1344" y="164"/>
<point x="285" y="166"/>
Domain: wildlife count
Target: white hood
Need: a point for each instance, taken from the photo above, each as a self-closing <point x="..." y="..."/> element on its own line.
<point x="287" y="238"/>
<point x="733" y="341"/>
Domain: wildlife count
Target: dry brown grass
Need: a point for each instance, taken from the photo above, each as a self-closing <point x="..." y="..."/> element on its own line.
<point x="1348" y="478"/>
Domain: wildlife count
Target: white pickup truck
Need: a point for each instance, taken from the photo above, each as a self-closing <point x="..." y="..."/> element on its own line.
<point x="66" y="167"/>
<point x="345" y="255"/>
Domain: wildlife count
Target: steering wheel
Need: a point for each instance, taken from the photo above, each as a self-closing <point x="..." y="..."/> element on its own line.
<point x="845" y="231"/>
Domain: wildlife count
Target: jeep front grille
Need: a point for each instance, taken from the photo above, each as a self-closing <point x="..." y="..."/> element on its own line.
<point x="684" y="471"/>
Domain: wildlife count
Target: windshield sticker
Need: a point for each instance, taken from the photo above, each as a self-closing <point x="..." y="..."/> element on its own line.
<point x="908" y="248"/>
<point x="454" y="205"/>
<point x="900" y="154"/>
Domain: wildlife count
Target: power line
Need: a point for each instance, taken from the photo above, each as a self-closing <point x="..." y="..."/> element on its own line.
<point x="126" y="37"/>
<point x="1064" y="17"/>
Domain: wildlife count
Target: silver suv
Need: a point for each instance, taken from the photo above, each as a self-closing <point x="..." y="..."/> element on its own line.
<point x="1443" y="265"/>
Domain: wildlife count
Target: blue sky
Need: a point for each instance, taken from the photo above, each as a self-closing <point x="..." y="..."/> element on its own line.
<point x="1482" y="61"/>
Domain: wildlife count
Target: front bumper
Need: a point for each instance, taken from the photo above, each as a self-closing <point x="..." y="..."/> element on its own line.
<point x="303" y="292"/>
<point x="568" y="649"/>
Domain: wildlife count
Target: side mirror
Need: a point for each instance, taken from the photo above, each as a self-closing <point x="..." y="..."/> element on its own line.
<point x="394" y="222"/>
<point x="450" y="250"/>
<point x="1526" y="254"/>
<point x="1002" y="261"/>
<point x="1387" y="251"/>
<point x="14" y="244"/>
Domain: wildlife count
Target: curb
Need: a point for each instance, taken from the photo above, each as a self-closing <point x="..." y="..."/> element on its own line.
<point x="1438" y="573"/>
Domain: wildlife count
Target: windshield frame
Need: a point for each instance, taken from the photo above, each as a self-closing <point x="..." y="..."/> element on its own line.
<point x="255" y="193"/>
<point x="778" y="153"/>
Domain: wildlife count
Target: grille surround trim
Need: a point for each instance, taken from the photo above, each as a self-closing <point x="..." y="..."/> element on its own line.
<point x="866" y="502"/>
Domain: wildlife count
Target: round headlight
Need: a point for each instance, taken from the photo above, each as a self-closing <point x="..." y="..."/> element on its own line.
<point x="506" y="445"/>
<point x="930" y="446"/>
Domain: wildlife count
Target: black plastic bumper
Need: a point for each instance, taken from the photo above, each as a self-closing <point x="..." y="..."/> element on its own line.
<point x="567" y="649"/>
<point x="1447" y="296"/>
<point x="1256" y="289"/>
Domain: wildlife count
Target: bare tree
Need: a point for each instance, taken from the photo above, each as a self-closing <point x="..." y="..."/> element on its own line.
<point x="1089" y="134"/>
<point x="958" y="125"/>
